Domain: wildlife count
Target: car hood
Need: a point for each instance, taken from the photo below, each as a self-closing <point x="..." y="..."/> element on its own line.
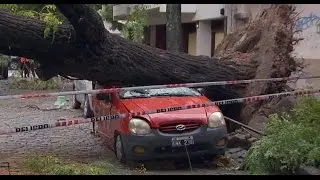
<point x="151" y="104"/>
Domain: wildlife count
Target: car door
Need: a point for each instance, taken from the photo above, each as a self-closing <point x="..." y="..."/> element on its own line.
<point x="102" y="108"/>
<point x="115" y="123"/>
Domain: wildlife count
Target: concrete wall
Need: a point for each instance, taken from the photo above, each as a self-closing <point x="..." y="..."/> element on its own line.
<point x="190" y="13"/>
<point x="218" y="38"/>
<point x="309" y="48"/>
<point x="157" y="18"/>
<point x="204" y="38"/>
<point x="185" y="8"/>
<point x="253" y="10"/>
<point x="309" y="24"/>
<point x="207" y="11"/>
<point x="192" y="43"/>
<point x="313" y="69"/>
<point x="153" y="36"/>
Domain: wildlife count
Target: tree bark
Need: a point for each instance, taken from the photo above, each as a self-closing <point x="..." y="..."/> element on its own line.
<point x="173" y="28"/>
<point x="91" y="52"/>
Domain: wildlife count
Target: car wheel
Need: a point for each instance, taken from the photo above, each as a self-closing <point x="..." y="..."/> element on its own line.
<point x="87" y="111"/>
<point x="75" y="103"/>
<point x="14" y="65"/>
<point x="118" y="149"/>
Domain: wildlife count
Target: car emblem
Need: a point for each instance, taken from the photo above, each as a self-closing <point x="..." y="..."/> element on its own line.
<point x="180" y="127"/>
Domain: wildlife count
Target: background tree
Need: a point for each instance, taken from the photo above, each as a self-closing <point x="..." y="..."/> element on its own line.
<point x="173" y="28"/>
<point x="106" y="12"/>
<point x="132" y="28"/>
<point x="135" y="23"/>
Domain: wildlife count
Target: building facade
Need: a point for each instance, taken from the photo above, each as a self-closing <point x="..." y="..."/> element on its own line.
<point x="202" y="25"/>
<point x="205" y="25"/>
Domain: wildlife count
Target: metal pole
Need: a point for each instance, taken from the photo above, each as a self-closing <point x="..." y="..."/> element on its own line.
<point x="245" y="126"/>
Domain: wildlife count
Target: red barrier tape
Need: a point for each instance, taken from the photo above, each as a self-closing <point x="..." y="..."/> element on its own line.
<point x="202" y="84"/>
<point x="169" y="109"/>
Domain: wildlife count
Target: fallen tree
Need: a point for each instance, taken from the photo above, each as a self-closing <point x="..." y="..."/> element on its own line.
<point x="82" y="48"/>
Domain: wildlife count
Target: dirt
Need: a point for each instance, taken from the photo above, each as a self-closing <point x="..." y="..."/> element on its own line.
<point x="267" y="41"/>
<point x="75" y="143"/>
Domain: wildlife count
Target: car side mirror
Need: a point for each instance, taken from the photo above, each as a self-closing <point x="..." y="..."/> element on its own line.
<point x="103" y="96"/>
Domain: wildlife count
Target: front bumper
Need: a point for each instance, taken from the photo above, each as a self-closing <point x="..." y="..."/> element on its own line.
<point x="158" y="145"/>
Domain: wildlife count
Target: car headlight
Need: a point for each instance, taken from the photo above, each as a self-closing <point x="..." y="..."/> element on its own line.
<point x="139" y="126"/>
<point x="216" y="119"/>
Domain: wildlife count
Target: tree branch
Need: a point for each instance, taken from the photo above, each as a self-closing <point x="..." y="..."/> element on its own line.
<point x="86" y="21"/>
<point x="22" y="36"/>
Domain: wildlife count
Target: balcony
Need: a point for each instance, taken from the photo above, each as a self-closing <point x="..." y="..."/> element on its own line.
<point x="121" y="11"/>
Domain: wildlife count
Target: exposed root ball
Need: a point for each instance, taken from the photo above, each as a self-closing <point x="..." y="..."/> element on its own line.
<point x="268" y="42"/>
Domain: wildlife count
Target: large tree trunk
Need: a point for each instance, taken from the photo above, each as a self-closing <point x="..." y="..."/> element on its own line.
<point x="84" y="49"/>
<point x="173" y="28"/>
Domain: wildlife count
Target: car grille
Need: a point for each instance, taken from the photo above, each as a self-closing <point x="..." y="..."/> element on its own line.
<point x="171" y="127"/>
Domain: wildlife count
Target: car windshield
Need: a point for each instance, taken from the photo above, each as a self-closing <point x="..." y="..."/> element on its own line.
<point x="145" y="93"/>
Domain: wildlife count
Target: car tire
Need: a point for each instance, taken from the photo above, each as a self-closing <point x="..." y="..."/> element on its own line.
<point x="118" y="149"/>
<point x="4" y="71"/>
<point x="75" y="103"/>
<point x="87" y="111"/>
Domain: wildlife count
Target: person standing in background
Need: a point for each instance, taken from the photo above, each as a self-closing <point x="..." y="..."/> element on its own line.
<point x="24" y="67"/>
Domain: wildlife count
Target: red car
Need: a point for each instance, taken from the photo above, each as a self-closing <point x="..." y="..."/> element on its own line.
<point x="161" y="135"/>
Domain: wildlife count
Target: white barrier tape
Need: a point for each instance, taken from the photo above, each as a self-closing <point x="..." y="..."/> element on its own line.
<point x="202" y="84"/>
<point x="169" y="109"/>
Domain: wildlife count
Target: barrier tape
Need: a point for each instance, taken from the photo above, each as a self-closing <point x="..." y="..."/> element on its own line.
<point x="169" y="109"/>
<point x="202" y="84"/>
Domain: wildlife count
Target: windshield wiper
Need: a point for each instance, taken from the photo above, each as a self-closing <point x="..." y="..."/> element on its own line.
<point x="140" y="91"/>
<point x="140" y="96"/>
<point x="168" y="94"/>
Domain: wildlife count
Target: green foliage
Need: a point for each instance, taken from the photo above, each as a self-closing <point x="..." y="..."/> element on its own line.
<point x="96" y="7"/>
<point x="106" y="13"/>
<point x="32" y="7"/>
<point x="48" y="14"/>
<point x="4" y="59"/>
<point x="36" y="84"/>
<point x="51" y="165"/>
<point x="133" y="28"/>
<point x="135" y="24"/>
<point x="292" y="141"/>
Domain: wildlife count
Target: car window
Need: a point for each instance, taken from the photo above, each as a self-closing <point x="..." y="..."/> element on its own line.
<point x="145" y="93"/>
<point x="98" y="86"/>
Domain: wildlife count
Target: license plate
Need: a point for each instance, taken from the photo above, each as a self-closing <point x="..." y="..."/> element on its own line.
<point x="181" y="141"/>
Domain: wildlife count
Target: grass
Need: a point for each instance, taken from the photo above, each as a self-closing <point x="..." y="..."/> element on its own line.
<point x="4" y="59"/>
<point x="51" y="165"/>
<point x="292" y="141"/>
<point x="36" y="84"/>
